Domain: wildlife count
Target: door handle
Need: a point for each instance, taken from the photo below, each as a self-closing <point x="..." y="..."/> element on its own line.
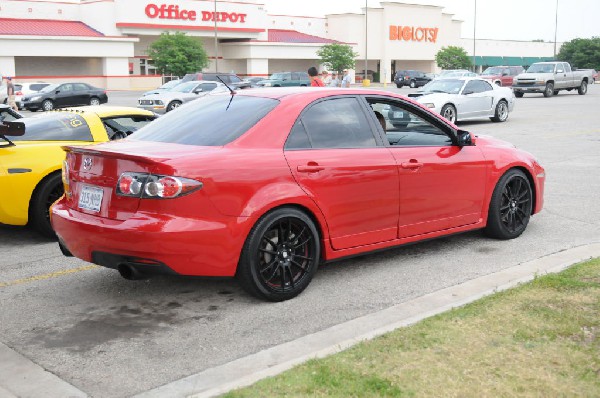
<point x="411" y="165"/>
<point x="310" y="168"/>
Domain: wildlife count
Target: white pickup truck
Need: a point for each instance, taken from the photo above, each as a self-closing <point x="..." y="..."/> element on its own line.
<point x="549" y="78"/>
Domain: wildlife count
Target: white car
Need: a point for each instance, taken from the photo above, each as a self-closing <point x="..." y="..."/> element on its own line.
<point x="466" y="98"/>
<point x="168" y="100"/>
<point x="21" y="89"/>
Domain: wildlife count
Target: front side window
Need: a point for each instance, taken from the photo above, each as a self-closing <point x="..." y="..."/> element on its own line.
<point x="333" y="123"/>
<point x="55" y="127"/>
<point x="407" y="126"/>
<point x="212" y="120"/>
<point x="477" y="86"/>
<point x="66" y="87"/>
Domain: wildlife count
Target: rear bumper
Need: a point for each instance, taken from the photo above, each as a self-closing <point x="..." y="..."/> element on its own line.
<point x="155" y="243"/>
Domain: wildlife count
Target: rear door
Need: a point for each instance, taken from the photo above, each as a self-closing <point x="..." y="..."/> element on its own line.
<point x="343" y="166"/>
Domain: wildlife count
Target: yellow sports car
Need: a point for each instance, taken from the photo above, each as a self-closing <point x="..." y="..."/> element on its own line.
<point x="31" y="156"/>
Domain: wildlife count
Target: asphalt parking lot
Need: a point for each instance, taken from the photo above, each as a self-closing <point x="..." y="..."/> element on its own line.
<point x="110" y="337"/>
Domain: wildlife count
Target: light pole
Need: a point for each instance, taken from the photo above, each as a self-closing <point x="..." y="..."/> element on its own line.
<point x="216" y="41"/>
<point x="555" y="29"/>
<point x="366" y="38"/>
<point x="474" y="35"/>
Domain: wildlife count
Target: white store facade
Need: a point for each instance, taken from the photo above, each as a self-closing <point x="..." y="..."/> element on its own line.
<point x="104" y="42"/>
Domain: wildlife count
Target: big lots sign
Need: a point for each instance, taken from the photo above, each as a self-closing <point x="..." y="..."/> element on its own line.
<point x="172" y="11"/>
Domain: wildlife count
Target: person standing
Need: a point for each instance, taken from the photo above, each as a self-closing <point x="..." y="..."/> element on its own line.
<point x="10" y="92"/>
<point x="346" y="79"/>
<point x="325" y="77"/>
<point x="335" y="82"/>
<point x="315" y="80"/>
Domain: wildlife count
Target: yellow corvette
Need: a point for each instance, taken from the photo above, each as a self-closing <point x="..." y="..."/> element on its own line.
<point x="31" y="156"/>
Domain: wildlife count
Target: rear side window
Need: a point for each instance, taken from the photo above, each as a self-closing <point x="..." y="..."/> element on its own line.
<point x="55" y="127"/>
<point x="213" y="120"/>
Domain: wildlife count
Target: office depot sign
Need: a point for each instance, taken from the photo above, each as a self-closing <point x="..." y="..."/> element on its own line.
<point x="172" y="11"/>
<point x="411" y="33"/>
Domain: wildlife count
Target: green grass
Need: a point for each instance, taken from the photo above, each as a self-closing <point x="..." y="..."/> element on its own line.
<point x="540" y="339"/>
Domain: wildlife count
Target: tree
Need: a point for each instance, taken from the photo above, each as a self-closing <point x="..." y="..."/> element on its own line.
<point x="337" y="57"/>
<point x="453" y="57"/>
<point x="177" y="54"/>
<point x="581" y="53"/>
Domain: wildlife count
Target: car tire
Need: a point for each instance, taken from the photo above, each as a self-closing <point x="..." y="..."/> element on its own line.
<point x="413" y="84"/>
<point x="501" y="113"/>
<point x="48" y="191"/>
<point x="172" y="105"/>
<point x="582" y="90"/>
<point x="555" y="92"/>
<point x="549" y="90"/>
<point x="510" y="206"/>
<point x="47" y="105"/>
<point x="497" y="83"/>
<point x="448" y="112"/>
<point x="94" y="101"/>
<point x="280" y="255"/>
<point x="518" y="94"/>
<point x="398" y="85"/>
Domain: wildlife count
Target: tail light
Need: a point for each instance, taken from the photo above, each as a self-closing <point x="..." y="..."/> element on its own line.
<point x="19" y="93"/>
<point x="152" y="186"/>
<point x="65" y="178"/>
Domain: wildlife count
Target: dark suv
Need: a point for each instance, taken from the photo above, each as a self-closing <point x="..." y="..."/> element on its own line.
<point x="412" y="78"/>
<point x="230" y="79"/>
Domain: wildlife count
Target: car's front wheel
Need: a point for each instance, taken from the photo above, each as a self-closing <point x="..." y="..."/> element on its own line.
<point x="449" y="112"/>
<point x="501" y="113"/>
<point x="510" y="206"/>
<point x="280" y="256"/>
<point x="47" y="192"/>
<point x="172" y="105"/>
<point x="47" y="105"/>
<point x="549" y="90"/>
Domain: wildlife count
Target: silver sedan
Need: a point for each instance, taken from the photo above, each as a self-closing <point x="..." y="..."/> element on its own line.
<point x="466" y="98"/>
<point x="166" y="101"/>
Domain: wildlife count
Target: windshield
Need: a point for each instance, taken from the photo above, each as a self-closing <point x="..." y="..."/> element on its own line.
<point x="450" y="86"/>
<point x="541" y="68"/>
<point x="55" y="127"/>
<point x="213" y="120"/>
<point x="492" y="71"/>
<point x="170" y="84"/>
<point x="49" y="88"/>
<point x="185" y="87"/>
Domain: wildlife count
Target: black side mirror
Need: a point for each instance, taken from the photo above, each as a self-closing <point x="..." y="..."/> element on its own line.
<point x="464" y="138"/>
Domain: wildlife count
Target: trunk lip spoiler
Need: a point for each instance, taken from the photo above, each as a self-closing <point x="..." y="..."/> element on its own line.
<point x="89" y="150"/>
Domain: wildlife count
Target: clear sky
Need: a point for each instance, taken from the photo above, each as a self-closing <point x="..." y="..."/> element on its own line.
<point x="497" y="19"/>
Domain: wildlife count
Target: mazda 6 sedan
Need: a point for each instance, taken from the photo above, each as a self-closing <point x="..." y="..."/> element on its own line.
<point x="267" y="184"/>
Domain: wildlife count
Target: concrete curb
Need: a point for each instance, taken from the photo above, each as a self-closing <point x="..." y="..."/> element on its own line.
<point x="20" y="377"/>
<point x="245" y="371"/>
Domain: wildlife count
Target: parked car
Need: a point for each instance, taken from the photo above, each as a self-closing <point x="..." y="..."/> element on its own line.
<point x="64" y="95"/>
<point x="8" y="114"/>
<point x="286" y="79"/>
<point x="266" y="184"/>
<point x="165" y="87"/>
<point x="255" y="80"/>
<point x="166" y="101"/>
<point x="411" y="78"/>
<point x="502" y="75"/>
<point x="231" y="79"/>
<point x="549" y="78"/>
<point x="30" y="166"/>
<point x="465" y="98"/>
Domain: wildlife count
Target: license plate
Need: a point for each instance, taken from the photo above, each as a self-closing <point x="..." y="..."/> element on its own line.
<point x="398" y="115"/>
<point x="90" y="198"/>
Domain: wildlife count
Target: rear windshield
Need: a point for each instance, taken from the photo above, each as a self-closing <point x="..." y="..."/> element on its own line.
<point x="213" y="120"/>
<point x="55" y="127"/>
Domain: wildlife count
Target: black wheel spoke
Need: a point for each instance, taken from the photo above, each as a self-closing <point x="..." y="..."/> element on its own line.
<point x="303" y="243"/>
<point x="303" y="257"/>
<point x="271" y="252"/>
<point x="271" y="264"/>
<point x="291" y="277"/>
<point x="297" y="238"/>
<point x="269" y="241"/>
<point x="282" y="273"/>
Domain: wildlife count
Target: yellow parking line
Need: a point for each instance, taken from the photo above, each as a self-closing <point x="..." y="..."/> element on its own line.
<point x="48" y="276"/>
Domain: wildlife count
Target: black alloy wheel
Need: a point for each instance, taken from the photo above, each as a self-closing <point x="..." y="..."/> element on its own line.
<point x="47" y="192"/>
<point x="510" y="206"/>
<point x="280" y="256"/>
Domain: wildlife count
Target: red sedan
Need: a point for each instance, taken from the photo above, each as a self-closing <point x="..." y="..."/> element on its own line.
<point x="266" y="184"/>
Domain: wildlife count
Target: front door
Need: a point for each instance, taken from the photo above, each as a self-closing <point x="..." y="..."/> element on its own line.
<point x="442" y="185"/>
<point x="343" y="166"/>
<point x="477" y="99"/>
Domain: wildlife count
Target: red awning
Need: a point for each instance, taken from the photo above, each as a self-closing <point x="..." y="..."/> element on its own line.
<point x="45" y="27"/>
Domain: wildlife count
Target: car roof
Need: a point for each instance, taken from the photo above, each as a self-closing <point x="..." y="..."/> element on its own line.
<point x="107" y="110"/>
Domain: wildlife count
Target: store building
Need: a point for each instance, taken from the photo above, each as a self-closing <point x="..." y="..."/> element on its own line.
<point x="104" y="42"/>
